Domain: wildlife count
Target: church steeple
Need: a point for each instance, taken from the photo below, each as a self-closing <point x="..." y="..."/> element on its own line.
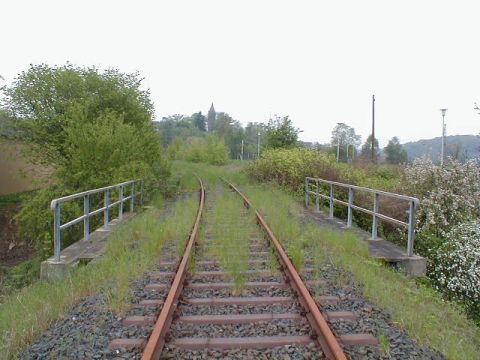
<point x="211" y="117"/>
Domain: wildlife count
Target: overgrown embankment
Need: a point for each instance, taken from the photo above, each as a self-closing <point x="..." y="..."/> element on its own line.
<point x="132" y="249"/>
<point x="448" y="220"/>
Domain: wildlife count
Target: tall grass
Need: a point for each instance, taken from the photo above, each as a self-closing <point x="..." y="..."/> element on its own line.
<point x="417" y="309"/>
<point x="231" y="227"/>
<point x="131" y="250"/>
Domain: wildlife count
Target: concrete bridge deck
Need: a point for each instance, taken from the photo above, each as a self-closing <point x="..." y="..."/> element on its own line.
<point x="380" y="249"/>
<point x="81" y="251"/>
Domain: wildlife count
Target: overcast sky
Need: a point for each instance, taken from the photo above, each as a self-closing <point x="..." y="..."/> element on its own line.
<point x="317" y="61"/>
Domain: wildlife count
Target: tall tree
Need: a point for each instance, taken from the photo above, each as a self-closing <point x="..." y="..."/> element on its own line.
<point x="281" y="133"/>
<point x="199" y="121"/>
<point x="44" y="98"/>
<point x="366" y="152"/>
<point x="230" y="131"/>
<point x="394" y="152"/>
<point x="344" y="137"/>
<point x="254" y="138"/>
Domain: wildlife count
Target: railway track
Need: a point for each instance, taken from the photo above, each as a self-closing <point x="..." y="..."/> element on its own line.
<point x="270" y="314"/>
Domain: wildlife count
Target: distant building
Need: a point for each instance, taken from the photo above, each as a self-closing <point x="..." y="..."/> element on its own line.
<point x="211" y="117"/>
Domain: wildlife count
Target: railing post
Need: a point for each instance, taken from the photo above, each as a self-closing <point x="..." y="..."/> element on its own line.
<point x="132" y="200"/>
<point x="86" y="217"/>
<point x="141" y="192"/>
<point x="106" y="204"/>
<point x="411" y="228"/>
<point x="120" y="206"/>
<point x="307" y="199"/>
<point x="331" y="201"/>
<point x="374" y="219"/>
<point x="317" y="197"/>
<point x="350" y="203"/>
<point x="56" y="232"/>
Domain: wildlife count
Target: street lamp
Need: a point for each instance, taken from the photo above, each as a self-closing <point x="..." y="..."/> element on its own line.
<point x="258" y="145"/>
<point x="442" y="155"/>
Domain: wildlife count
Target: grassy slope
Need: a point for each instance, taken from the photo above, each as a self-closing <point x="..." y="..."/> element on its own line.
<point x="28" y="312"/>
<point x="419" y="310"/>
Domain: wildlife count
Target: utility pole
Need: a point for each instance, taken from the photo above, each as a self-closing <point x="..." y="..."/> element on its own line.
<point x="242" y="149"/>
<point x="338" y="149"/>
<point x="373" y="128"/>
<point x="442" y="154"/>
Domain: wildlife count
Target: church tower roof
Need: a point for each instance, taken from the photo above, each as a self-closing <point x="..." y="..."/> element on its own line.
<point x="211" y="117"/>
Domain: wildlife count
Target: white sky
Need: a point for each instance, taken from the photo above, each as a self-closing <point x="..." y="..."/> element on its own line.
<point x="317" y="61"/>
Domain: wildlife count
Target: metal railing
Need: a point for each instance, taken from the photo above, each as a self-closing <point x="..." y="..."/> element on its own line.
<point x="56" y="203"/>
<point x="413" y="204"/>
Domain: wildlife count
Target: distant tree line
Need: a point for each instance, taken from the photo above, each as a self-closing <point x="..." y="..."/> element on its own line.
<point x="345" y="143"/>
<point x="278" y="132"/>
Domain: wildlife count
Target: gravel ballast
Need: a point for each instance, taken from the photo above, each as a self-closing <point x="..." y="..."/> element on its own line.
<point x="88" y="328"/>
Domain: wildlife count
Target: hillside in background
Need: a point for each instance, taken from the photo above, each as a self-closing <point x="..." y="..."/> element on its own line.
<point x="461" y="147"/>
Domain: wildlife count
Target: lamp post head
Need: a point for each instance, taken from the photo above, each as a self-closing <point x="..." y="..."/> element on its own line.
<point x="443" y="111"/>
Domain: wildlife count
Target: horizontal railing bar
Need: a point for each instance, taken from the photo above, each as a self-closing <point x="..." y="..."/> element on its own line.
<point x="340" y="202"/>
<point x="98" y="211"/>
<point x="356" y="207"/>
<point x="72" y="222"/>
<point x="370" y="212"/>
<point x="114" y="203"/>
<point x="392" y="220"/>
<point x="89" y="192"/>
<point x="361" y="188"/>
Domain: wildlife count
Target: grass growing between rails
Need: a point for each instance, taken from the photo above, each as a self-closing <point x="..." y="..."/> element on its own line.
<point x="131" y="250"/>
<point x="231" y="227"/>
<point x="419" y="310"/>
<point x="209" y="174"/>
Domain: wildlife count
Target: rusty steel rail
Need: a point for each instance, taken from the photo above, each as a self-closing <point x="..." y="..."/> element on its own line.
<point x="325" y="337"/>
<point x="156" y="341"/>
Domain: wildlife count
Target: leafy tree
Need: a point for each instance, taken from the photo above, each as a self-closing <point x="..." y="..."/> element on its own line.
<point x="94" y="128"/>
<point x="252" y="138"/>
<point x="366" y="152"/>
<point x="200" y="121"/>
<point x="109" y="151"/>
<point x="177" y="126"/>
<point x="45" y="97"/>
<point x="210" y="149"/>
<point x="345" y="137"/>
<point x="281" y="133"/>
<point x="394" y="151"/>
<point x="230" y="131"/>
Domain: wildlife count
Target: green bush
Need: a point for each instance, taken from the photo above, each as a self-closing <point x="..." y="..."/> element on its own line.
<point x="289" y="167"/>
<point x="211" y="150"/>
<point x="93" y="129"/>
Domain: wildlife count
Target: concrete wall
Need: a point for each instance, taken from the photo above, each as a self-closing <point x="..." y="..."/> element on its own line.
<point x="16" y="174"/>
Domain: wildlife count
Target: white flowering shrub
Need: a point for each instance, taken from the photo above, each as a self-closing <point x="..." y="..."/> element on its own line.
<point x="456" y="266"/>
<point x="449" y="195"/>
<point x="448" y="226"/>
